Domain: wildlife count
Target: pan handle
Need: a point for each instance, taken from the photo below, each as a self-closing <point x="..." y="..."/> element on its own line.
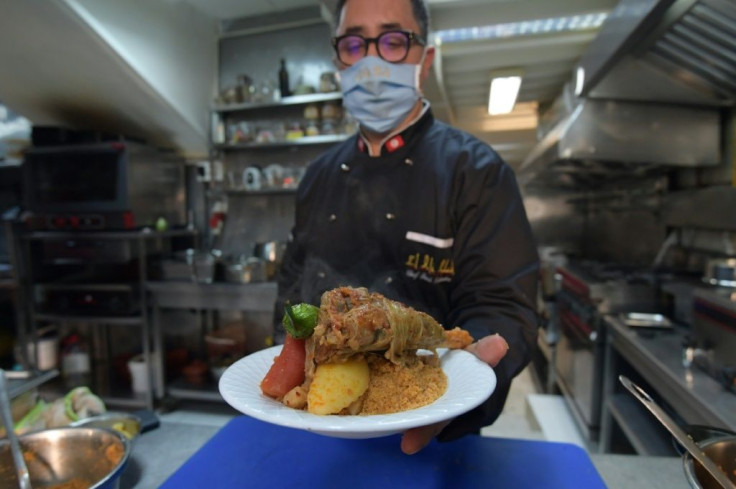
<point x="677" y="432"/>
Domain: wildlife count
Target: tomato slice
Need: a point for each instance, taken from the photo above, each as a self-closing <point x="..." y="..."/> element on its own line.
<point x="287" y="370"/>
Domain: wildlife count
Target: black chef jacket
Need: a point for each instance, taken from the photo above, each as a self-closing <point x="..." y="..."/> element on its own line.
<point x="436" y="222"/>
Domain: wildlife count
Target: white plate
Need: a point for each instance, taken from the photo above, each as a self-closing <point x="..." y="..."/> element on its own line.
<point x="469" y="383"/>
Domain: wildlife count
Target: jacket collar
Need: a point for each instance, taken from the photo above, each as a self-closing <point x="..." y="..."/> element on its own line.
<point x="397" y="140"/>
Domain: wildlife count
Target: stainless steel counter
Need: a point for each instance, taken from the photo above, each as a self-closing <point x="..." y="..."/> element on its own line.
<point x="223" y="296"/>
<point x="21" y="382"/>
<point x="159" y="453"/>
<point x="691" y="396"/>
<point x="697" y="397"/>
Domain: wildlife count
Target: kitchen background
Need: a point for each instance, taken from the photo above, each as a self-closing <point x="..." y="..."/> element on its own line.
<point x="622" y="138"/>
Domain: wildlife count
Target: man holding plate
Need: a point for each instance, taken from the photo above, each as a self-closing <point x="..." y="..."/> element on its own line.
<point x="416" y="210"/>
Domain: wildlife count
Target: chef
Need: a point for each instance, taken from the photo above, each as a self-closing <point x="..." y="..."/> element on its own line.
<point x="414" y="209"/>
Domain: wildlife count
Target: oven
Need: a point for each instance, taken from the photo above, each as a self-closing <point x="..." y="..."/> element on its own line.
<point x="111" y="185"/>
<point x="587" y="293"/>
<point x="579" y="353"/>
<point x="714" y="333"/>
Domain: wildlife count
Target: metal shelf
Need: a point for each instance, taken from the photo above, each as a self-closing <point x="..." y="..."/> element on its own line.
<point x="147" y="242"/>
<point x="275" y="191"/>
<point x="110" y="287"/>
<point x="303" y="141"/>
<point x="254" y="297"/>
<point x="21" y="382"/>
<point x="643" y="431"/>
<point x="112" y="320"/>
<point x="293" y="100"/>
<point x="112" y="395"/>
<point x="181" y="389"/>
<point x="138" y="234"/>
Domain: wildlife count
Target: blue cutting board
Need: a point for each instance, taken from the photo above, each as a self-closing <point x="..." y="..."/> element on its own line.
<point x="252" y="454"/>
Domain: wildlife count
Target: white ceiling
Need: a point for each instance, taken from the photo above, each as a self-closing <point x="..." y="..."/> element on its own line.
<point x="547" y="62"/>
<point x="459" y="91"/>
<point x="232" y="9"/>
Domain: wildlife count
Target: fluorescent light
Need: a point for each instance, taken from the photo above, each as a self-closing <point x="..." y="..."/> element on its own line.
<point x="579" y="80"/>
<point x="504" y="90"/>
<point x="524" y="28"/>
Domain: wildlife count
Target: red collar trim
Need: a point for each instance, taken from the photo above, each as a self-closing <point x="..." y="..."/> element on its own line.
<point x="395" y="143"/>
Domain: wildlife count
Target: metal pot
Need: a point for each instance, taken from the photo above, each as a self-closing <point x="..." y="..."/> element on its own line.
<point x="273" y="253"/>
<point x="701" y="433"/>
<point x="197" y="266"/>
<point x="96" y="456"/>
<point x="246" y="271"/>
<point x="723" y="452"/>
<point x="721" y="272"/>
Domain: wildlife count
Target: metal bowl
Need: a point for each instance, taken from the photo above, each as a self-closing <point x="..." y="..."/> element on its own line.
<point x="700" y="433"/>
<point x="128" y="425"/>
<point x="88" y="457"/>
<point x="723" y="452"/>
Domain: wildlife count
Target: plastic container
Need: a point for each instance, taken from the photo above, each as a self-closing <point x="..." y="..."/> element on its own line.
<point x="75" y="360"/>
<point x="139" y="377"/>
<point x="47" y="347"/>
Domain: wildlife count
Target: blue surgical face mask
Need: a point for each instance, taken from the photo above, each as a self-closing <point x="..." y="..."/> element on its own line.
<point x="380" y="94"/>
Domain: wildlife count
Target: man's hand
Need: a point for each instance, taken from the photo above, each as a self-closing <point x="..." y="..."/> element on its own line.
<point x="491" y="349"/>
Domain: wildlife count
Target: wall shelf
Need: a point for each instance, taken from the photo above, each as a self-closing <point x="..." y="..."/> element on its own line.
<point x="304" y="141"/>
<point x="292" y="100"/>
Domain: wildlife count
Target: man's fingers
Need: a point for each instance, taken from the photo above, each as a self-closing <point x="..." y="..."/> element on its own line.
<point x="417" y="438"/>
<point x="491" y="349"/>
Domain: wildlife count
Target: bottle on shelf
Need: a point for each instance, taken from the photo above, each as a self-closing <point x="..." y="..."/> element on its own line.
<point x="75" y="362"/>
<point x="284" y="79"/>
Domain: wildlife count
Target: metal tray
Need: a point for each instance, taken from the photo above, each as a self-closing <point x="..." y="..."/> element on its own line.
<point x="646" y="320"/>
<point x="25" y="380"/>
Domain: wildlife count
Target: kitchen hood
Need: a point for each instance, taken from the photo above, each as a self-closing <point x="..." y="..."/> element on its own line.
<point x="606" y="136"/>
<point x="648" y="92"/>
<point x="145" y="72"/>
<point x="675" y="51"/>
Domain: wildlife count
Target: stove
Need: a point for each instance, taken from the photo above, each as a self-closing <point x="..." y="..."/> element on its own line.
<point x="587" y="292"/>
<point x="714" y="333"/>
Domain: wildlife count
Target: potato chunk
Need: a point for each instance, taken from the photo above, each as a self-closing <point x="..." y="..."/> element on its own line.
<point x="337" y="385"/>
